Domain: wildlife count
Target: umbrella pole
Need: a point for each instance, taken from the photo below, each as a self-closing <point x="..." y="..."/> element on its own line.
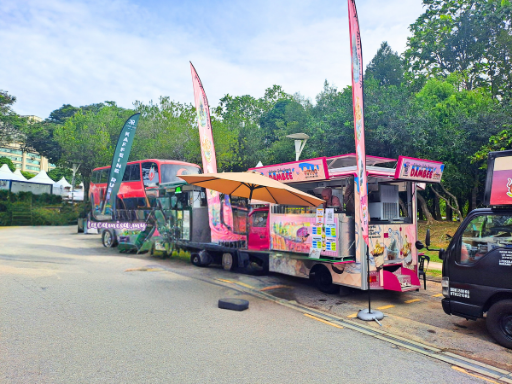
<point x="368" y="314"/>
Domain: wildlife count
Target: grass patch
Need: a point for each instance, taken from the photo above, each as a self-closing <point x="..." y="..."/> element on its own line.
<point x="438" y="238"/>
<point x="434" y="273"/>
<point x="181" y="255"/>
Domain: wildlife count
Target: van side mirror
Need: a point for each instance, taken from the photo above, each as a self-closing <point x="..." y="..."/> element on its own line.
<point x="427" y="238"/>
<point x="419" y="245"/>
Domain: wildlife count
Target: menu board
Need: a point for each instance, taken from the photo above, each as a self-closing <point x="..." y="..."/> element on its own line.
<point x="498" y="187"/>
<point x="299" y="233"/>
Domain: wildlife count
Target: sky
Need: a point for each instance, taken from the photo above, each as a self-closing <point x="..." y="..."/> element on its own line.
<point x="79" y="52"/>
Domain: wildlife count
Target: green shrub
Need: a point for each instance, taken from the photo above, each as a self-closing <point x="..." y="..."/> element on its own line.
<point x="53" y="216"/>
<point x="5" y="218"/>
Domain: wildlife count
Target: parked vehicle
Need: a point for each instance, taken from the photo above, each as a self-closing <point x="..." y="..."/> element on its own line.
<point x="323" y="243"/>
<point x="477" y="265"/>
<point x="133" y="205"/>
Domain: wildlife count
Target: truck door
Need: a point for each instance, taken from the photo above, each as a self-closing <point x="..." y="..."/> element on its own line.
<point x="478" y="261"/>
<point x="259" y="238"/>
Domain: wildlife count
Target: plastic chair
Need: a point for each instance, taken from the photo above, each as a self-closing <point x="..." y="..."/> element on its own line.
<point x="422" y="271"/>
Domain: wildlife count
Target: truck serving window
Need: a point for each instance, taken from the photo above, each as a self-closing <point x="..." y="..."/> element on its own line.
<point x="390" y="202"/>
<point x="483" y="234"/>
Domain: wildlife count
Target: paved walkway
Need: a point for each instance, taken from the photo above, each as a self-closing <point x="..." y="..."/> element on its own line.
<point x="434" y="265"/>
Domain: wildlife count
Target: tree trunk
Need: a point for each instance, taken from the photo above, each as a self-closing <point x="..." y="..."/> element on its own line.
<point x="437" y="208"/>
<point x="449" y="213"/>
<point x="424" y="209"/>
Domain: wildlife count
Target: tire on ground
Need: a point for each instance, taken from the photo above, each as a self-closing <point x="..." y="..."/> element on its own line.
<point x="499" y="322"/>
<point x="108" y="239"/>
<point x="234" y="304"/>
<point x="195" y="259"/>
<point x="201" y="259"/>
<point x="323" y="279"/>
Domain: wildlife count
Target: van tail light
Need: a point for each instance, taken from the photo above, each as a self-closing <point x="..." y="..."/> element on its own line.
<point x="445" y="283"/>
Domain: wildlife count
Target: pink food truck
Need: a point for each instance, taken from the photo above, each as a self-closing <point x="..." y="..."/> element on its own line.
<point x="326" y="245"/>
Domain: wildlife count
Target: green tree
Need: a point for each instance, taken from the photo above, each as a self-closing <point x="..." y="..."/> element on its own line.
<point x="89" y="138"/>
<point x="386" y="67"/>
<point x="10" y="164"/>
<point x="28" y="175"/>
<point x="470" y="37"/>
<point x="166" y="131"/>
<point x="10" y="123"/>
<point x="58" y="173"/>
<point x="39" y="136"/>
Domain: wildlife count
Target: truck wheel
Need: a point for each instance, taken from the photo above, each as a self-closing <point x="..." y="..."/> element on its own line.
<point x="109" y="239"/>
<point x="499" y="322"/>
<point x="195" y="259"/>
<point x="227" y="261"/>
<point x="323" y="280"/>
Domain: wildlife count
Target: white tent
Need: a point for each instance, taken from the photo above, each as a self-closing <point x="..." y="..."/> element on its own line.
<point x="38" y="185"/>
<point x="18" y="172"/>
<point x="6" y="174"/>
<point x="41" y="178"/>
<point x="61" y="187"/>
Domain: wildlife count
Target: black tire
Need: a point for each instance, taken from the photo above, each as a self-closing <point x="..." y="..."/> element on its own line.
<point x="234" y="304"/>
<point x="108" y="239"/>
<point x="499" y="322"/>
<point x="195" y="259"/>
<point x="323" y="280"/>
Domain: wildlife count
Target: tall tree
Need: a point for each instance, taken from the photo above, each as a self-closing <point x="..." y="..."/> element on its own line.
<point x="386" y="66"/>
<point x="11" y="123"/>
<point x="471" y="37"/>
<point x="89" y="138"/>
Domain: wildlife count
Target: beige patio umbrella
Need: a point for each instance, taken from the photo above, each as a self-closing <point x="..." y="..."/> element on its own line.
<point x="253" y="185"/>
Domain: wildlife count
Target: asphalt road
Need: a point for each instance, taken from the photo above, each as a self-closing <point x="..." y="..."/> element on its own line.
<point x="74" y="312"/>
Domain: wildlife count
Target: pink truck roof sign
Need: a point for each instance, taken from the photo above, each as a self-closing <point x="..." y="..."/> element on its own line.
<point x="296" y="171"/>
<point x="409" y="168"/>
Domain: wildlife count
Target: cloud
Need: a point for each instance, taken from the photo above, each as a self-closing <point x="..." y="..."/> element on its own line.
<point x="81" y="52"/>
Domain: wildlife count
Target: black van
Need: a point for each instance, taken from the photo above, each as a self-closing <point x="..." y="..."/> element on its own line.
<point x="477" y="265"/>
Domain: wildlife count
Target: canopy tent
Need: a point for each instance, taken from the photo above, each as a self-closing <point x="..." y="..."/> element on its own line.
<point x="7" y="174"/>
<point x="77" y="193"/>
<point x="18" y="172"/>
<point x="38" y="185"/>
<point x="61" y="187"/>
<point x="41" y="178"/>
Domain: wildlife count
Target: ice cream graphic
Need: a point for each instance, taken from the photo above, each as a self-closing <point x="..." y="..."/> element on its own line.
<point x="359" y="118"/>
<point x="406" y="168"/>
<point x="355" y="59"/>
<point x="201" y="114"/>
<point x="206" y="146"/>
<point x="509" y="185"/>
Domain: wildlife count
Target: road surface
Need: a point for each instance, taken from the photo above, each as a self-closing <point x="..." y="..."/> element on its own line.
<point x="75" y="312"/>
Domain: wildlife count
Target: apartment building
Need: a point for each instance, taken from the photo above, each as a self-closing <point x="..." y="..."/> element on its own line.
<point x="26" y="161"/>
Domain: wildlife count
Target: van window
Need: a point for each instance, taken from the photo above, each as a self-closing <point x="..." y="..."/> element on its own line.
<point x="104" y="175"/>
<point x="483" y="234"/>
<point x="132" y="172"/>
<point x="150" y="173"/>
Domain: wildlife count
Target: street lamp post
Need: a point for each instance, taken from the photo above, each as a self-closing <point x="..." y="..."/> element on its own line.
<point x="300" y="142"/>
<point x="75" y="167"/>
